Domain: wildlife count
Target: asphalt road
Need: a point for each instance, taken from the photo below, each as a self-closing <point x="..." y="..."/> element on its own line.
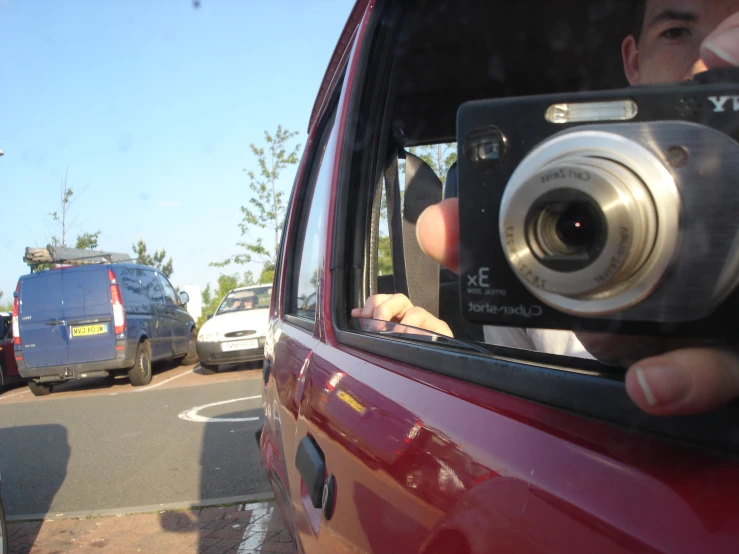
<point x="96" y="446"/>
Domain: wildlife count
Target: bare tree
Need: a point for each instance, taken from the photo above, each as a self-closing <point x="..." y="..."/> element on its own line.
<point x="61" y="219"/>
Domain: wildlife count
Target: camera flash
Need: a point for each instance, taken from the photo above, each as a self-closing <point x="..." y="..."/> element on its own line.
<point x="616" y="110"/>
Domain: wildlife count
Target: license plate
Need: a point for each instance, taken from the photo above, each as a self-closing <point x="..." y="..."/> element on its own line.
<point x="88" y="330"/>
<point x="239" y="345"/>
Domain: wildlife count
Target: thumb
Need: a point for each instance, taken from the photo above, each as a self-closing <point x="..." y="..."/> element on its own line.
<point x="721" y="47"/>
<point x="437" y="232"/>
<point x="684" y="381"/>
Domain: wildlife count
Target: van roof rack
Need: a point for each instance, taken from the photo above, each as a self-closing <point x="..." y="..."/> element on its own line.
<point x="71" y="256"/>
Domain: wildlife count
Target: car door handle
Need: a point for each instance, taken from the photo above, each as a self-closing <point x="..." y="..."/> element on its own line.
<point x="312" y="468"/>
<point x="55" y="322"/>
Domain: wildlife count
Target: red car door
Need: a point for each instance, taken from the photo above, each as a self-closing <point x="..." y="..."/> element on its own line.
<point x="382" y="438"/>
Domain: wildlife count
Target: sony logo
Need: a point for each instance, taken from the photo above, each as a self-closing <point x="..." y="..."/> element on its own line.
<point x="720" y="103"/>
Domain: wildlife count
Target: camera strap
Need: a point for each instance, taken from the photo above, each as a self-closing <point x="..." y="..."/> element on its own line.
<point x="416" y="274"/>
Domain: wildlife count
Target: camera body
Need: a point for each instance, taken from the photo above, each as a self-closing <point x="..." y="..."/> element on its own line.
<point x="613" y="211"/>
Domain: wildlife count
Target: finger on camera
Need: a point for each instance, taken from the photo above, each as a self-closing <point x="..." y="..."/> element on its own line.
<point x="685" y="381"/>
<point x="437" y="232"/>
<point x="721" y="47"/>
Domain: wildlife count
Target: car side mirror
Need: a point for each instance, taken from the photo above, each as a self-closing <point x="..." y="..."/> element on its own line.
<point x="209" y="316"/>
<point x="184" y="297"/>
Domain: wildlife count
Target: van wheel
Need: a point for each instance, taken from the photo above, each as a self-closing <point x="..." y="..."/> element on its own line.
<point x="40" y="389"/>
<point x="192" y="351"/>
<point x="208" y="369"/>
<point x="140" y="373"/>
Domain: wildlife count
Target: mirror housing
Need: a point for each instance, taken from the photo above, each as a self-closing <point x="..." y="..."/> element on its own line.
<point x="184" y="297"/>
<point x="209" y="316"/>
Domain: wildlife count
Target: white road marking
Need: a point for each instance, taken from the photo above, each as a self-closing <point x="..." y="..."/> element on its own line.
<point x="192" y="413"/>
<point x="165" y="381"/>
<point x="256" y="532"/>
<point x="14" y="394"/>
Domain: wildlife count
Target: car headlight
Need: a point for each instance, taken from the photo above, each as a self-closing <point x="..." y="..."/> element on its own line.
<point x="207" y="336"/>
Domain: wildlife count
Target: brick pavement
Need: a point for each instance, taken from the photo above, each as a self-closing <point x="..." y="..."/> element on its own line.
<point x="239" y="529"/>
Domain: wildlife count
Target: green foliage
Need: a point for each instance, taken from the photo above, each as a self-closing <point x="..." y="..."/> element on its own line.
<point x="268" y="274"/>
<point x="384" y="256"/>
<point x="266" y="208"/>
<point x="5" y="305"/>
<point x="440" y="157"/>
<point x="156" y="259"/>
<point x="87" y="241"/>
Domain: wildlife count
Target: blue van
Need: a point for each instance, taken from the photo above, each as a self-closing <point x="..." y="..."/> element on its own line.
<point x="93" y="320"/>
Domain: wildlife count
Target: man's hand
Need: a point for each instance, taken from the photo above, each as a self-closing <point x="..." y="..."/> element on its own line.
<point x="398" y="308"/>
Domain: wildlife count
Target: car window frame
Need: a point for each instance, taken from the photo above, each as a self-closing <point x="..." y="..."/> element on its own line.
<point x="540" y="378"/>
<point x="304" y="195"/>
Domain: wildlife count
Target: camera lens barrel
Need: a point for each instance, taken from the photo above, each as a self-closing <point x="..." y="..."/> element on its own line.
<point x="589" y="221"/>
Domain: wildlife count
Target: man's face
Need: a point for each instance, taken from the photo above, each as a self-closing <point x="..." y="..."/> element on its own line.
<point x="672" y="33"/>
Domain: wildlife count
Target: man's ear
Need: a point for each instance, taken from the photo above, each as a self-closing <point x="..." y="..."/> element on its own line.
<point x="630" y="54"/>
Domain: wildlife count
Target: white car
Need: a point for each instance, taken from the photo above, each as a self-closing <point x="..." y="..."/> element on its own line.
<point x="236" y="331"/>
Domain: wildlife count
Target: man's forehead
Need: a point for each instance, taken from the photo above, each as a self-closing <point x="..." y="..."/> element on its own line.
<point x="699" y="8"/>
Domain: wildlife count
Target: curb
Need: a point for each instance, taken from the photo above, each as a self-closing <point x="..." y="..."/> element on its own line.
<point x="205" y="503"/>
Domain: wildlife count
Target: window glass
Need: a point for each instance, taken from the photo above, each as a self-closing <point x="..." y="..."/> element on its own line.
<point x="242" y="300"/>
<point x="131" y="287"/>
<point x="303" y="303"/>
<point x="170" y="296"/>
<point x="425" y="90"/>
<point x="151" y="286"/>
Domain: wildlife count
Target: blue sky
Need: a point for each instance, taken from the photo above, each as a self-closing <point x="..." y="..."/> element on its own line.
<point x="151" y="106"/>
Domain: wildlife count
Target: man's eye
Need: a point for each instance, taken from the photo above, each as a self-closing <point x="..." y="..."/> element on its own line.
<point x="676" y="32"/>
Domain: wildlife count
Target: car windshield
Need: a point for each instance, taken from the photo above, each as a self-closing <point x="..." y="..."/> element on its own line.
<point x="256" y="298"/>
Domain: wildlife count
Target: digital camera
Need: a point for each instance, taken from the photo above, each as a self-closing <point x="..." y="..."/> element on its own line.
<point x="608" y="211"/>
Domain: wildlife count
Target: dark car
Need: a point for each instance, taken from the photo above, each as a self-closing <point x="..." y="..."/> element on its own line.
<point x="385" y="438"/>
<point x="8" y="366"/>
<point x="97" y="319"/>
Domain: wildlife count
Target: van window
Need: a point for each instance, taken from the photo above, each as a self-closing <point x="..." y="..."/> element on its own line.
<point x="86" y="289"/>
<point x="42" y="292"/>
<point x="151" y="286"/>
<point x="133" y="291"/>
<point x="170" y="296"/>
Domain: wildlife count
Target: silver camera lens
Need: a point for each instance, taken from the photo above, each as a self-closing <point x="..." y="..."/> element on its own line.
<point x="579" y="222"/>
<point x="566" y="230"/>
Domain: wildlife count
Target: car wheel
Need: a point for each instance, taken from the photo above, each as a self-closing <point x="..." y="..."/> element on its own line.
<point x="140" y="373"/>
<point x="208" y="369"/>
<point x="192" y="351"/>
<point x="40" y="389"/>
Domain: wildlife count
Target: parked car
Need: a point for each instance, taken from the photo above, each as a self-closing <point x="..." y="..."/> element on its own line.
<point x="93" y="320"/>
<point x="380" y="437"/>
<point x="8" y="366"/>
<point x="235" y="333"/>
